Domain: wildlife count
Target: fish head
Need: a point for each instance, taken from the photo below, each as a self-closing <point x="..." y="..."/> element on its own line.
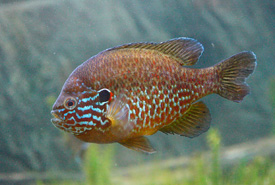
<point x="79" y="108"/>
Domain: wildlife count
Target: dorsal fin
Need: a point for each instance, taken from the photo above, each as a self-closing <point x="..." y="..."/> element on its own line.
<point x="184" y="50"/>
<point x="192" y="123"/>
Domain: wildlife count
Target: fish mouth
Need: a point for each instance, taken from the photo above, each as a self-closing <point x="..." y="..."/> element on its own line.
<point x="56" y="120"/>
<point x="59" y="122"/>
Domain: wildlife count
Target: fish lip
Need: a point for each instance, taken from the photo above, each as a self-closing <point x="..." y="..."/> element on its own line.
<point x="56" y="117"/>
<point x="56" y="121"/>
<point x="55" y="114"/>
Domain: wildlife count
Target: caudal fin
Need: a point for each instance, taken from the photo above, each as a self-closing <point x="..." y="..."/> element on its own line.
<point x="233" y="73"/>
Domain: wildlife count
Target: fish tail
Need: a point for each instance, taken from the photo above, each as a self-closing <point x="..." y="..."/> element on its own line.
<point x="233" y="73"/>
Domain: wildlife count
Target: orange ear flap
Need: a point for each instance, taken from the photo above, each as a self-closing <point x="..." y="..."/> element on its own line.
<point x="111" y="96"/>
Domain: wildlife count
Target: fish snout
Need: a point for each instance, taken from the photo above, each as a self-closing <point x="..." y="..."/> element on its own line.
<point x="56" y="114"/>
<point x="56" y="120"/>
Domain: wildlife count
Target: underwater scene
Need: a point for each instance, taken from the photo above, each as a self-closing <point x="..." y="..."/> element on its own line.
<point x="124" y="92"/>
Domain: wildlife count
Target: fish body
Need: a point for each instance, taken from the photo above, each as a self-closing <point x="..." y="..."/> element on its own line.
<point x="127" y="92"/>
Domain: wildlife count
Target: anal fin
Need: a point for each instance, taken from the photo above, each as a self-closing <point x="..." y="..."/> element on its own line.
<point x="193" y="123"/>
<point x="141" y="144"/>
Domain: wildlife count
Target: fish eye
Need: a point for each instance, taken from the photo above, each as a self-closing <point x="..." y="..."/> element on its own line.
<point x="70" y="103"/>
<point x="105" y="95"/>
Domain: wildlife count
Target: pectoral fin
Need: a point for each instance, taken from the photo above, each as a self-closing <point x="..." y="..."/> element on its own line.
<point x="141" y="144"/>
<point x="193" y="123"/>
<point x="118" y="111"/>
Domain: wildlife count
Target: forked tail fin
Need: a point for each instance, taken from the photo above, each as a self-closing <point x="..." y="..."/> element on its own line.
<point x="233" y="73"/>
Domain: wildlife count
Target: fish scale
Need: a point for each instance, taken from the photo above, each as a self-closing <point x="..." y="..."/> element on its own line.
<point x="129" y="91"/>
<point x="150" y="84"/>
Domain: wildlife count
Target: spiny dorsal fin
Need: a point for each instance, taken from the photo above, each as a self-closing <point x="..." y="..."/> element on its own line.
<point x="140" y="144"/>
<point x="184" y="50"/>
<point x="192" y="123"/>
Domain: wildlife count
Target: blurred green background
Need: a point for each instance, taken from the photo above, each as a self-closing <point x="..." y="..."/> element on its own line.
<point x="42" y="41"/>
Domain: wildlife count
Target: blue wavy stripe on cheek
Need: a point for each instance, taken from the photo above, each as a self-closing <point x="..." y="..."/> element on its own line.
<point x="61" y="110"/>
<point x="89" y="108"/>
<point x="92" y="98"/>
<point x="77" y="115"/>
<point x="82" y="122"/>
<point x="99" y="120"/>
<point x="69" y="112"/>
<point x="84" y="116"/>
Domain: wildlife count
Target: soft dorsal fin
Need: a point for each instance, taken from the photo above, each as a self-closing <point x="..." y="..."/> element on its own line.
<point x="193" y="123"/>
<point x="141" y="144"/>
<point x="184" y="50"/>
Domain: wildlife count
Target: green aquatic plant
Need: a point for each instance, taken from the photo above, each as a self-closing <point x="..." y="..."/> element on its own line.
<point x="199" y="171"/>
<point x="204" y="169"/>
<point x="98" y="164"/>
<point x="259" y="171"/>
<point x="214" y="141"/>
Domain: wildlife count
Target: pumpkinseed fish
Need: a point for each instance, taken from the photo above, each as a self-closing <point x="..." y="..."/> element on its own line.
<point x="127" y="92"/>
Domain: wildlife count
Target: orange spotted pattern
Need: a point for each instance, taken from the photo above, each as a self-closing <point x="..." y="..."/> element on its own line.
<point x="157" y="88"/>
